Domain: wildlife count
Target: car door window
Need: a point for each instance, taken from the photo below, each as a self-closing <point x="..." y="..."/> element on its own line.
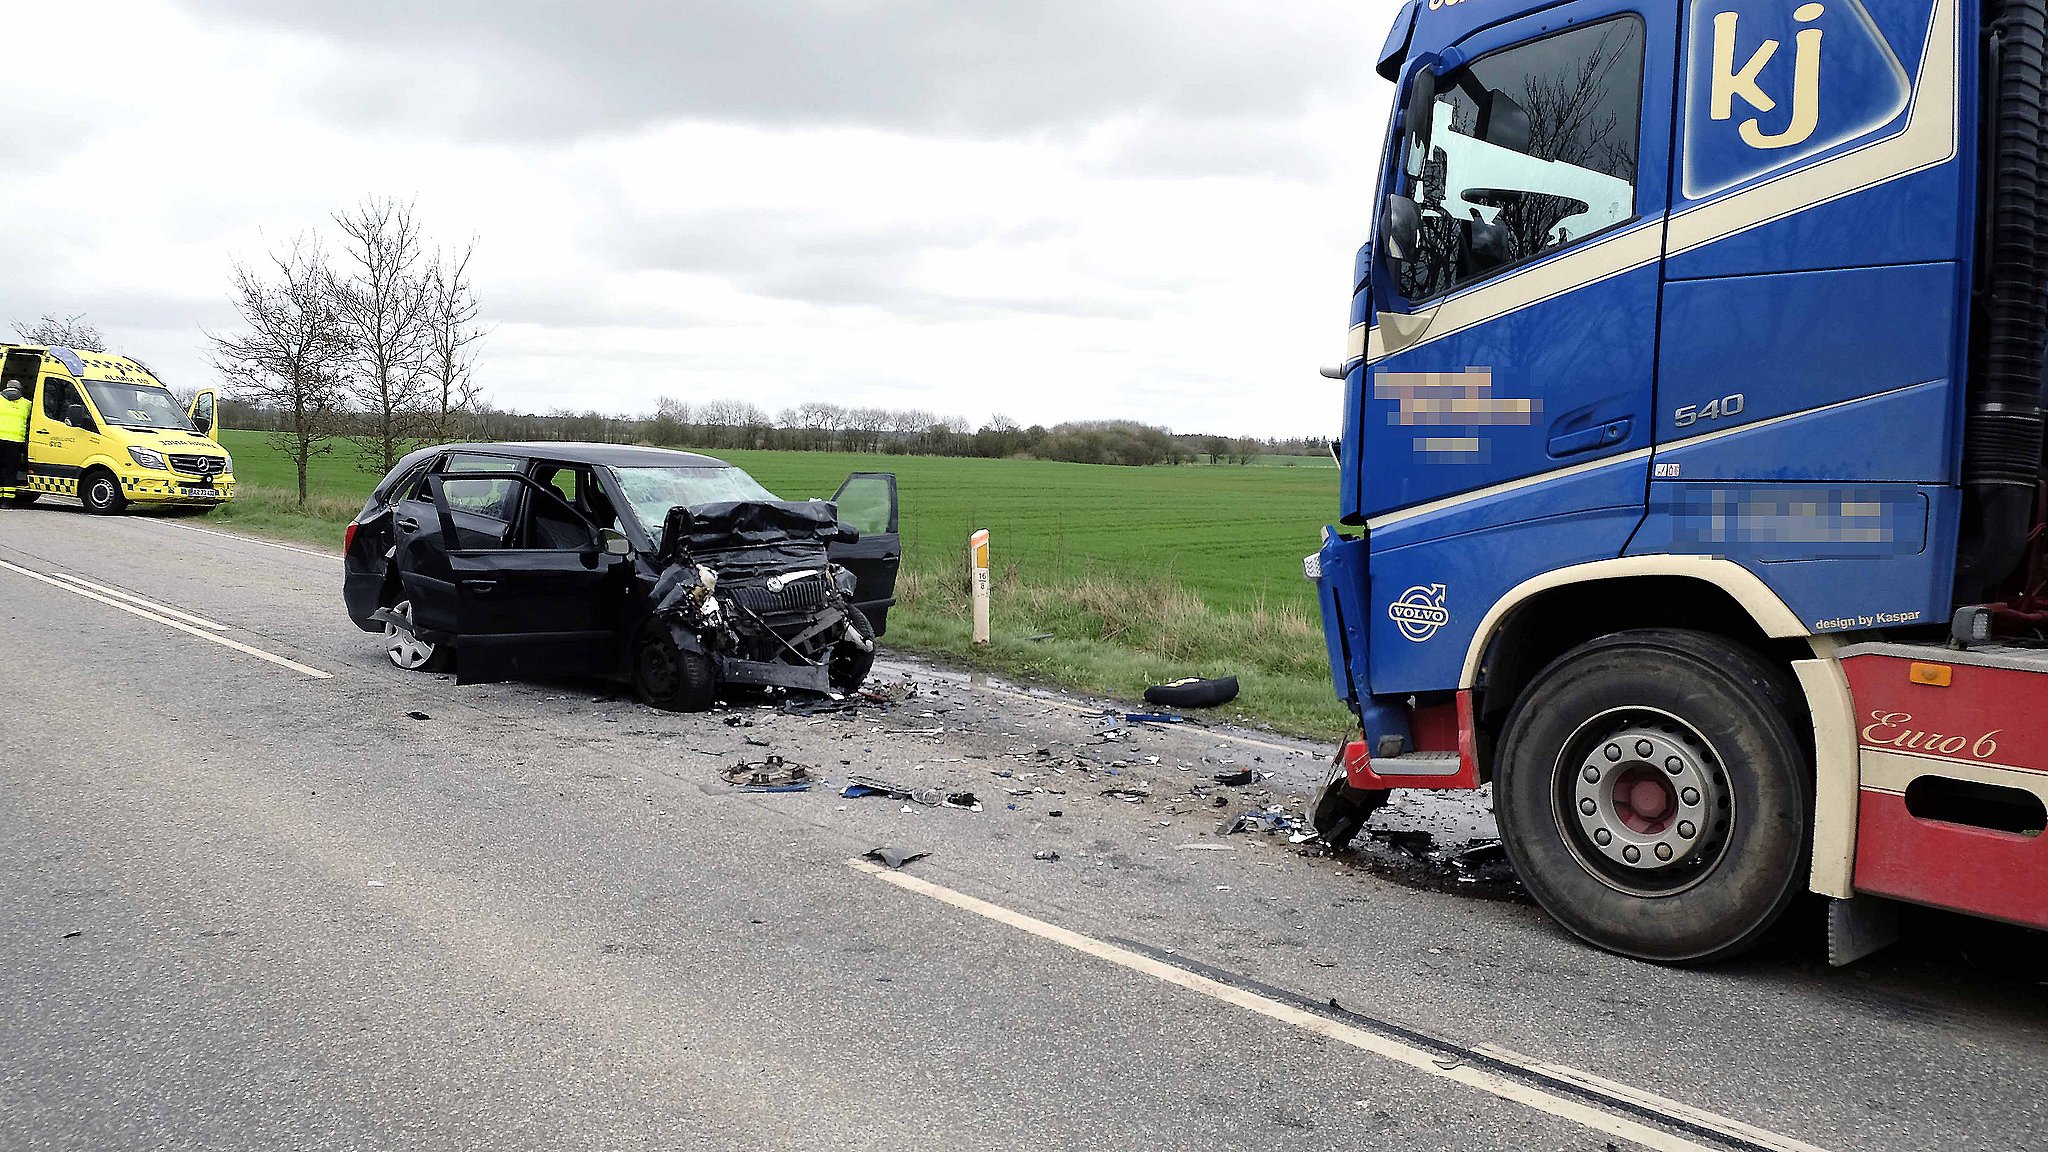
<point x="1521" y="153"/>
<point x="579" y="488"/>
<point x="58" y="397"/>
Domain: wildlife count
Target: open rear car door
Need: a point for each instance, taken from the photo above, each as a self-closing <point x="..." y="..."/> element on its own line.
<point x="549" y="603"/>
<point x="867" y="503"/>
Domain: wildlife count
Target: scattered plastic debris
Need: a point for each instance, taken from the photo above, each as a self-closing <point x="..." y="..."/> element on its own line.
<point x="893" y="857"/>
<point x="1241" y="777"/>
<point x="1045" y="854"/>
<point x="1267" y="820"/>
<point x="418" y="716"/>
<point x="1206" y="847"/>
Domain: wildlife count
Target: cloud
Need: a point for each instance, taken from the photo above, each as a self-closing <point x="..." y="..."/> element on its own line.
<point x="496" y="70"/>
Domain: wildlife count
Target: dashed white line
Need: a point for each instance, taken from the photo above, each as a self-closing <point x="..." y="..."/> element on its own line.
<point x="132" y="598"/>
<point x="1387" y="1047"/>
<point x="167" y="622"/>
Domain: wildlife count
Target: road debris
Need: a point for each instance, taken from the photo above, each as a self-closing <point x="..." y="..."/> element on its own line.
<point x="1193" y="692"/>
<point x="418" y="716"/>
<point x="771" y="775"/>
<point x="1045" y="854"/>
<point x="893" y="857"/>
<point x="1267" y="820"/>
<point x="859" y="786"/>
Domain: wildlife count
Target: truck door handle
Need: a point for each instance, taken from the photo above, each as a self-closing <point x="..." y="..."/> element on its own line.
<point x="480" y="587"/>
<point x="408" y="524"/>
<point x="1587" y="439"/>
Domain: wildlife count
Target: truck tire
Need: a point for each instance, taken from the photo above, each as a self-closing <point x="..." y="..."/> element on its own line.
<point x="100" y="492"/>
<point x="668" y="676"/>
<point x="1654" y="796"/>
<point x="1340" y="811"/>
<point x="851" y="663"/>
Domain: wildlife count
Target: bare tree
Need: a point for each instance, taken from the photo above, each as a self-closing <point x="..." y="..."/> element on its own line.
<point x="452" y="333"/>
<point x="291" y="351"/>
<point x="62" y="332"/>
<point x="386" y="304"/>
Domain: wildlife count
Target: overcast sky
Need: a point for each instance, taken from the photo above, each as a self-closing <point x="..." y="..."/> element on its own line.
<point x="1056" y="210"/>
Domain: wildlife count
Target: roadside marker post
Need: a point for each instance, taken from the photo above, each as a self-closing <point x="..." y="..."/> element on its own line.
<point x="977" y="562"/>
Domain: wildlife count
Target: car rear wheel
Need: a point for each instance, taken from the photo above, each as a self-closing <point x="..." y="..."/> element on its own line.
<point x="101" y="493"/>
<point x="851" y="662"/>
<point x="668" y="676"/>
<point x="1653" y="795"/>
<point x="408" y="651"/>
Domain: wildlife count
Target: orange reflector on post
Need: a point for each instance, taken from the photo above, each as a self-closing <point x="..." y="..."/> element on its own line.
<point x="1935" y="674"/>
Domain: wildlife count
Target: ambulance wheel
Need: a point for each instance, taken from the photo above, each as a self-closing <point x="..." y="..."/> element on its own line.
<point x="1653" y="796"/>
<point x="100" y="492"/>
<point x="668" y="676"/>
<point x="26" y="498"/>
<point x="408" y="651"/>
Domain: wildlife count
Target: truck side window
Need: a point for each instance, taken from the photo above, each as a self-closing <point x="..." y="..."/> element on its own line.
<point x="1523" y="152"/>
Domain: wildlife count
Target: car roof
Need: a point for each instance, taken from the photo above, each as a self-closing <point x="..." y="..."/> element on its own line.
<point x="621" y="455"/>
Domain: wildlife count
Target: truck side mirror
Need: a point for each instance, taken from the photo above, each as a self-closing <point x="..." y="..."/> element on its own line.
<point x="204" y="425"/>
<point x="1422" y="105"/>
<point x="1401" y="229"/>
<point x="1504" y="123"/>
<point x="76" y="416"/>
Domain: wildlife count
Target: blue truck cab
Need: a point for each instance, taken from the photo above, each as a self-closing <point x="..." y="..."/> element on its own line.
<point x="1696" y="342"/>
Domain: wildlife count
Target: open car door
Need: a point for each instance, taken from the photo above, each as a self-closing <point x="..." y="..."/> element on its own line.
<point x="551" y="602"/>
<point x="205" y="413"/>
<point x="867" y="503"/>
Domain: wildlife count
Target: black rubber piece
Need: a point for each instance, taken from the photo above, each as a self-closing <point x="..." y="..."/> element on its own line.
<point x="851" y="663"/>
<point x="26" y="498"/>
<point x="1744" y="709"/>
<point x="668" y="676"/>
<point x="1193" y="693"/>
<point x="1340" y="811"/>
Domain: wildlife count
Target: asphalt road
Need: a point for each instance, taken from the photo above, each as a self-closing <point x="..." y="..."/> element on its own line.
<point x="261" y="904"/>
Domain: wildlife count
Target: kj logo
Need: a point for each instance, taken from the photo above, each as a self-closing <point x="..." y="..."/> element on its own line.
<point x="1420" y="612"/>
<point x="1772" y="82"/>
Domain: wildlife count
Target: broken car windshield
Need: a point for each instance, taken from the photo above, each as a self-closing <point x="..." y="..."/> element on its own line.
<point x="653" y="491"/>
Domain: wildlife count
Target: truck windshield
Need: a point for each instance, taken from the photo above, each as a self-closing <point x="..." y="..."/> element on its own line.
<point x="137" y="405"/>
<point x="653" y="491"/>
<point x="1522" y="152"/>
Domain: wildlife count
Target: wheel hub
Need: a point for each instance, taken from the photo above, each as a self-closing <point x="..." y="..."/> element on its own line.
<point x="1646" y="797"/>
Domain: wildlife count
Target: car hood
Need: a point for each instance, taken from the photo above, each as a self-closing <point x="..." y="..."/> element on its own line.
<point x="768" y="533"/>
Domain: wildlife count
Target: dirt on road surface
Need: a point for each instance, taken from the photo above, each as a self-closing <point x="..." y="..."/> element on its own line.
<point x="268" y="891"/>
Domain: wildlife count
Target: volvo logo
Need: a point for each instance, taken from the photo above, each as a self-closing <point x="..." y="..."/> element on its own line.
<point x="1420" y="612"/>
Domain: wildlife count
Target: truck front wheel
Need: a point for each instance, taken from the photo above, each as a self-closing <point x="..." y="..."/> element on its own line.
<point x="1653" y="795"/>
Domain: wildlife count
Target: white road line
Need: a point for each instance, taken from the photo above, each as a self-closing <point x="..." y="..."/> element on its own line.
<point x="152" y="605"/>
<point x="1726" y="1126"/>
<point x="167" y="622"/>
<point x="1398" y="1051"/>
<point x="239" y="538"/>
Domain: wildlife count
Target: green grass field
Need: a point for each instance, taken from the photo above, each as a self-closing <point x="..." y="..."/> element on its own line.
<point x="1105" y="578"/>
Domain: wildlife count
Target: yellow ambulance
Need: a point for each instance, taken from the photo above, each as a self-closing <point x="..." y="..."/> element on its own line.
<point x="102" y="428"/>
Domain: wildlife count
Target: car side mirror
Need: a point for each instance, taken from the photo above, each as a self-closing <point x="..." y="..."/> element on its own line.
<point x="1400" y="229"/>
<point x="613" y="542"/>
<point x="1504" y="123"/>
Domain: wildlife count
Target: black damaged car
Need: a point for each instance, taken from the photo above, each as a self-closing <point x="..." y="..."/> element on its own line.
<point x="677" y="571"/>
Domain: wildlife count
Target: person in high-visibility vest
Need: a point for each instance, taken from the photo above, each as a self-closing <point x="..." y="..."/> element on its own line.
<point x="13" y="435"/>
